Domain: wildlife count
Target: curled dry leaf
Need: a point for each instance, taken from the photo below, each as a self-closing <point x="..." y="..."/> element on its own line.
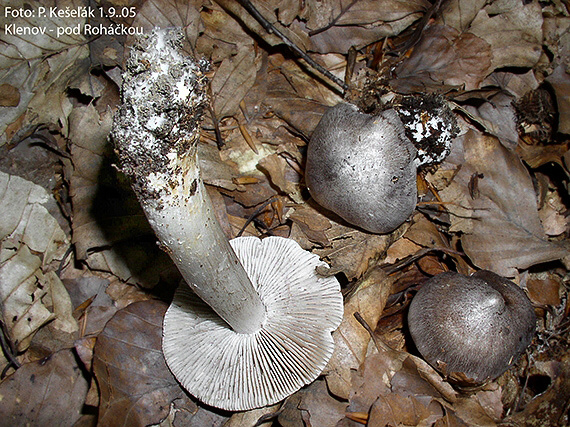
<point x="282" y="176"/>
<point x="444" y="58"/>
<point x="170" y="13"/>
<point x="233" y="80"/>
<point x="30" y="239"/>
<point x="339" y="25"/>
<point x="39" y="67"/>
<point x="498" y="117"/>
<point x="135" y="384"/>
<point x="32" y="395"/>
<point x="500" y="219"/>
<point x="106" y="215"/>
<point x="351" y="339"/>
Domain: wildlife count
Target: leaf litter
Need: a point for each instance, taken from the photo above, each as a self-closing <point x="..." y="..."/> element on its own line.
<point x="84" y="286"/>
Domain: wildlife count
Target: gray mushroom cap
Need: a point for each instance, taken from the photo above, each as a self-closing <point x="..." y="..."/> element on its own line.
<point x="471" y="328"/>
<point x="361" y="167"/>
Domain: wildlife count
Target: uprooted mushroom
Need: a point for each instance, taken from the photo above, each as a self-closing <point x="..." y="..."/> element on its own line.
<point x="252" y="323"/>
<point x="363" y="166"/>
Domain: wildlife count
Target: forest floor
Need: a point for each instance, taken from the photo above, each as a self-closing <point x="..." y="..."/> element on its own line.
<point x="84" y="286"/>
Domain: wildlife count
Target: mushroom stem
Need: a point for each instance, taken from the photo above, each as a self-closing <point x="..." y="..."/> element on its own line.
<point x="187" y="228"/>
<point x="156" y="133"/>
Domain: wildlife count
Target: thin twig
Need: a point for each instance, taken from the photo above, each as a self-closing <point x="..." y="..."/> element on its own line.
<point x="271" y="29"/>
<point x="380" y="345"/>
<point x="416" y="35"/>
<point x="219" y="140"/>
<point x="254" y="214"/>
<point x="334" y="21"/>
<point x="8" y="349"/>
<point x="419" y="254"/>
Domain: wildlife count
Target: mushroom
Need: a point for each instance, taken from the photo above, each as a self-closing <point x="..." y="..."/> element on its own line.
<point x="471" y="328"/>
<point x="253" y="321"/>
<point x="362" y="168"/>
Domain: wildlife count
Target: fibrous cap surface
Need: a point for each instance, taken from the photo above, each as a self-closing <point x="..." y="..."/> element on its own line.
<point x="362" y="168"/>
<point x="473" y="325"/>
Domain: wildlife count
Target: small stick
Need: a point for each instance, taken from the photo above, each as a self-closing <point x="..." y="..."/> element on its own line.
<point x="271" y="29"/>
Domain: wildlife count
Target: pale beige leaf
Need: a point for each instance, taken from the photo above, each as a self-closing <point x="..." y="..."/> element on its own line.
<point x="30" y="238"/>
<point x="21" y="293"/>
<point x="40" y="67"/>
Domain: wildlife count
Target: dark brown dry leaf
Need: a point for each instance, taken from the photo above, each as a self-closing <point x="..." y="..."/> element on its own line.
<point x="48" y="392"/>
<point x="373" y="378"/>
<point x="233" y="79"/>
<point x="491" y="402"/>
<point x="341" y="25"/>
<point x="393" y="409"/>
<point x="498" y="117"/>
<point x="444" y="58"/>
<point x="135" y="384"/>
<point x="351" y="339"/>
<point x="171" y="13"/>
<point x="9" y="95"/>
<point x="545" y="289"/>
<point x="312" y="406"/>
<point x="500" y="221"/>
<point x="513" y="31"/>
<point x="312" y="224"/>
<point x="295" y="97"/>
<point x="471" y="412"/>
<point x="322" y="409"/>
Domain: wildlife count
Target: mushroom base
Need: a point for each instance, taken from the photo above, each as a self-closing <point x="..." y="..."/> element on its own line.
<point x="236" y="371"/>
